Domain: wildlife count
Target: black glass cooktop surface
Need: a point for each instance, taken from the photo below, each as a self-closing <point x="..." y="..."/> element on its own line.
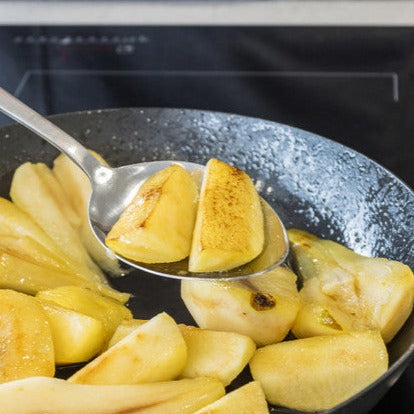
<point x="353" y="85"/>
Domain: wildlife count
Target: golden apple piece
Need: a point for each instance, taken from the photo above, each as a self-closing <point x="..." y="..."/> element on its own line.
<point x="28" y="277"/>
<point x="26" y="340"/>
<point x="221" y="355"/>
<point x="76" y="337"/>
<point x="155" y="351"/>
<point x="263" y="308"/>
<point x="78" y="189"/>
<point x="314" y="299"/>
<point x="79" y="299"/>
<point x="58" y="193"/>
<point x="56" y="396"/>
<point x="215" y="354"/>
<point x="30" y="193"/>
<point x="314" y="320"/>
<point x="318" y="373"/>
<point x="32" y="251"/>
<point x="374" y="293"/>
<point x="124" y="329"/>
<point x="385" y="288"/>
<point x="157" y="226"/>
<point x="15" y="222"/>
<point x="247" y="399"/>
<point x="21" y="236"/>
<point x="229" y="225"/>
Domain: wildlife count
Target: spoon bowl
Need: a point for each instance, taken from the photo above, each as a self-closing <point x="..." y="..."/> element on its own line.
<point x="114" y="188"/>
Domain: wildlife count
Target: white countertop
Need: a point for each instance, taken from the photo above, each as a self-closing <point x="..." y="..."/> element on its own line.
<point x="277" y="12"/>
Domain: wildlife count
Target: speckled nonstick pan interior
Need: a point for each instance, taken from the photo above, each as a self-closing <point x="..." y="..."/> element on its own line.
<point x="314" y="183"/>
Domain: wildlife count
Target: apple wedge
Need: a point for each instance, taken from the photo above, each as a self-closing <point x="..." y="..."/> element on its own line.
<point x="33" y="244"/>
<point x="30" y="250"/>
<point x="215" y="354"/>
<point x="79" y="299"/>
<point x="30" y="192"/>
<point x="26" y="340"/>
<point x="318" y="373"/>
<point x="15" y="222"/>
<point x="315" y="320"/>
<point x="78" y="189"/>
<point x="157" y="226"/>
<point x="247" y="399"/>
<point x="27" y="277"/>
<point x="360" y="292"/>
<point x="263" y="307"/>
<point x="76" y="337"/>
<point x="229" y="225"/>
<point x="56" y="396"/>
<point x="155" y="351"/>
<point x="58" y="193"/>
<point x="124" y="329"/>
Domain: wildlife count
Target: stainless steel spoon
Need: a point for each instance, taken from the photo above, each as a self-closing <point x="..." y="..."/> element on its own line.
<point x="114" y="188"/>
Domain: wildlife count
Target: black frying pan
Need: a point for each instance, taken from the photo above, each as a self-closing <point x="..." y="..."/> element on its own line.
<point x="314" y="184"/>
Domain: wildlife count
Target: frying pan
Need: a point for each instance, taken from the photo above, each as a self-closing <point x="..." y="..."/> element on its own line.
<point x="314" y="183"/>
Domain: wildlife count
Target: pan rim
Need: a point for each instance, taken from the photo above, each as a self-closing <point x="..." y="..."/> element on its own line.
<point x="229" y="114"/>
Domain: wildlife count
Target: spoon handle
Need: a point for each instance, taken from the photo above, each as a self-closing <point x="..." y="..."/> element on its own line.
<point x="26" y="116"/>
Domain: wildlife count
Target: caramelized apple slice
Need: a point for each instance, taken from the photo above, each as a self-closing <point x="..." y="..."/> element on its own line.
<point x="360" y="292"/>
<point x="76" y="337"/>
<point x="57" y="192"/>
<point x="318" y="373"/>
<point x="26" y="340"/>
<point x="263" y="307"/>
<point x="31" y="194"/>
<point x="314" y="320"/>
<point x="56" y="396"/>
<point x="25" y="276"/>
<point x="155" y="351"/>
<point x="157" y="226"/>
<point x="79" y="299"/>
<point x="221" y="355"/>
<point x="229" y="226"/>
<point x="124" y="329"/>
<point x="30" y="250"/>
<point x="15" y="222"/>
<point x="245" y="400"/>
<point x="21" y="236"/>
<point x="215" y="354"/>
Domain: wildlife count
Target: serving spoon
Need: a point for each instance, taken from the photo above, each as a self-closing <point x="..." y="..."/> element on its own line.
<point x="114" y="188"/>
